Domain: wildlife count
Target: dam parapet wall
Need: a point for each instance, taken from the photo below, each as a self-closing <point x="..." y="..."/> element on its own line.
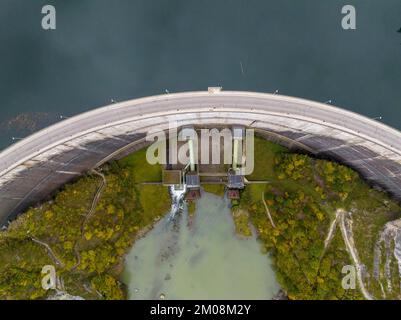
<point x="37" y="166"/>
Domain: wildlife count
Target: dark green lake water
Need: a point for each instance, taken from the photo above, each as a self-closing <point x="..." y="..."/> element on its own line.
<point x="124" y="49"/>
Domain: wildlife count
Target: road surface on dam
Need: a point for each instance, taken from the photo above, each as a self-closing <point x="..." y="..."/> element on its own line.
<point x="35" y="167"/>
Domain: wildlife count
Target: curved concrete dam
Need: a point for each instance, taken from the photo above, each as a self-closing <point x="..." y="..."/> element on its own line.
<point x="35" y="167"/>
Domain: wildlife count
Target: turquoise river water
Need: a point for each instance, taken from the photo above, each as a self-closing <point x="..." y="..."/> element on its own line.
<point x="204" y="261"/>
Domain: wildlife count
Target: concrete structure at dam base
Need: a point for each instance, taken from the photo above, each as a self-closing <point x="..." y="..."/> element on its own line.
<point x="39" y="165"/>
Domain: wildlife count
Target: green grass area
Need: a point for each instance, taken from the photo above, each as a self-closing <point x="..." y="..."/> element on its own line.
<point x="140" y="169"/>
<point x="216" y="189"/>
<point x="265" y="156"/>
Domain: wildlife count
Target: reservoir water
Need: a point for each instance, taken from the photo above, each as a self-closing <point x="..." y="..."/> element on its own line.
<point x="205" y="260"/>
<point x="136" y="48"/>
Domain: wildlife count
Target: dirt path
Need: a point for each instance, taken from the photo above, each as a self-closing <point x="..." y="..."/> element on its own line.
<point x="330" y="235"/>
<point x="268" y="211"/>
<point x="49" y="251"/>
<point x="346" y="231"/>
<point x="345" y="221"/>
<point x="89" y="214"/>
